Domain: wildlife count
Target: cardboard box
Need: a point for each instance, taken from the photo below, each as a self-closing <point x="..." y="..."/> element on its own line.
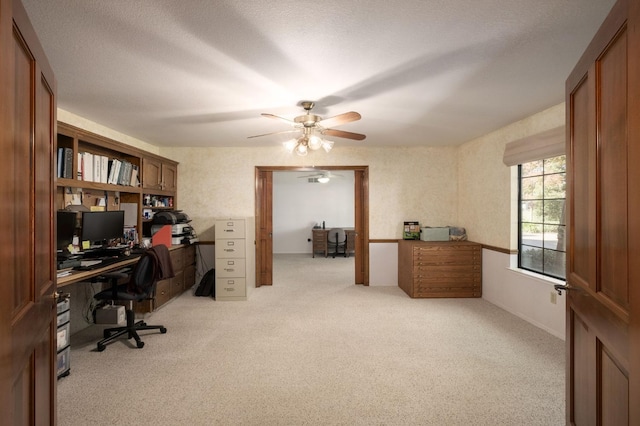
<point x="434" y="234"/>
<point x="111" y="314"/>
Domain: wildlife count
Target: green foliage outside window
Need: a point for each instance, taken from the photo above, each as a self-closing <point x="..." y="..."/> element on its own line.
<point x="542" y="216"/>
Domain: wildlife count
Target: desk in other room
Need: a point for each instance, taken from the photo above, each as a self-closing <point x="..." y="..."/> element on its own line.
<point x="321" y="244"/>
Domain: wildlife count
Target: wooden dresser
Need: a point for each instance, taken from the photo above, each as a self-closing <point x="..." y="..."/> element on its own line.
<point x="440" y="268"/>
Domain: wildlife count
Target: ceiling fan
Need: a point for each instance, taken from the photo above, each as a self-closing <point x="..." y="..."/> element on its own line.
<point x="323" y="176"/>
<point x="313" y="128"/>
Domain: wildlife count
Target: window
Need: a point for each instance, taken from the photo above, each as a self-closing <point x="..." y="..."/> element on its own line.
<point x="541" y="218"/>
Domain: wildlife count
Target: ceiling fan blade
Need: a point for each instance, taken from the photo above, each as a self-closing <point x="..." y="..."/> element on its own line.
<point x="277" y="117"/>
<point x="339" y="119"/>
<point x="273" y="133"/>
<point x="343" y="134"/>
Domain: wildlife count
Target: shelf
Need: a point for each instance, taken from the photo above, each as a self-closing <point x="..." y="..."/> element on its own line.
<point x="74" y="183"/>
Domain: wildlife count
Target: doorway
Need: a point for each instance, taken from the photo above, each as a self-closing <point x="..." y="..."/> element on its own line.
<point x="264" y="219"/>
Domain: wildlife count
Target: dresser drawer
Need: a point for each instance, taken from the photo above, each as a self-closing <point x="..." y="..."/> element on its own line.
<point x="229" y="228"/>
<point x="230" y="249"/>
<point x="230" y="268"/>
<point x="230" y="287"/>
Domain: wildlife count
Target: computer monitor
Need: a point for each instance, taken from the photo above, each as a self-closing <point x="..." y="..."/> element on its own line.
<point x="65" y="230"/>
<point x="101" y="227"/>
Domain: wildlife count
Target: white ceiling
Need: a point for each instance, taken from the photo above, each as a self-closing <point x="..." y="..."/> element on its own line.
<point x="421" y="72"/>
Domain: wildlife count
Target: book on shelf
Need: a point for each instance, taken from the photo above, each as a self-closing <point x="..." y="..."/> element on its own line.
<point x="60" y="163"/>
<point x="80" y="172"/>
<point x="115" y="172"/>
<point x="67" y="171"/>
<point x="125" y="176"/>
<point x="65" y="163"/>
<point x="97" y="168"/>
<point x="87" y="170"/>
<point x="134" y="176"/>
<point x="104" y="169"/>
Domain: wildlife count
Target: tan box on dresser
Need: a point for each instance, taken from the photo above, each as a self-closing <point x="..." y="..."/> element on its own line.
<point x="440" y="268"/>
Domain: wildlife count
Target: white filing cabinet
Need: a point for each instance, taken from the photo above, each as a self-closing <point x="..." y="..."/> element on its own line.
<point x="231" y="259"/>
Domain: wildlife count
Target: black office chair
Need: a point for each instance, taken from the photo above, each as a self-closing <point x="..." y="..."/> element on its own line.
<point x="155" y="264"/>
<point x="337" y="239"/>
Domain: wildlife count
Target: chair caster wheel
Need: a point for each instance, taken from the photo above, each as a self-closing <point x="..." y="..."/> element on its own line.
<point x="101" y="347"/>
<point x="163" y="330"/>
<point x="140" y="345"/>
<point x="142" y="323"/>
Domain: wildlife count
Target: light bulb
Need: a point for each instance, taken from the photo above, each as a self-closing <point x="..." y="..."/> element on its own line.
<point x="290" y="145"/>
<point x="301" y="150"/>
<point x="323" y="179"/>
<point x="315" y="142"/>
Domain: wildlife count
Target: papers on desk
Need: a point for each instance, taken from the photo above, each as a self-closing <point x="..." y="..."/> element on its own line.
<point x="64" y="273"/>
<point x="89" y="262"/>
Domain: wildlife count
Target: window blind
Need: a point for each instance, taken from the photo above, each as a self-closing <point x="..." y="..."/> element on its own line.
<point x="547" y="144"/>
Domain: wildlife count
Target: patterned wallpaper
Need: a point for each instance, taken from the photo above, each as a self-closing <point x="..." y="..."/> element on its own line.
<point x="487" y="195"/>
<point x="404" y="183"/>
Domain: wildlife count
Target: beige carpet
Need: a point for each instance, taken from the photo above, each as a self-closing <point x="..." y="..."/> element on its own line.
<point x="315" y="349"/>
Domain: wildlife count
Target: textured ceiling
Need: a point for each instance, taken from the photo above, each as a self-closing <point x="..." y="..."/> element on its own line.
<point x="421" y="72"/>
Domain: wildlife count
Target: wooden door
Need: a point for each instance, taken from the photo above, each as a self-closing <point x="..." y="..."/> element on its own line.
<point x="27" y="305"/>
<point x="603" y="270"/>
<point x="264" y="227"/>
<point x="361" y="252"/>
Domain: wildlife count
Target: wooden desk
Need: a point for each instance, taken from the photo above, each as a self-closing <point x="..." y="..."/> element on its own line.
<point x="77" y="276"/>
<point x="321" y="244"/>
<point x="183" y="258"/>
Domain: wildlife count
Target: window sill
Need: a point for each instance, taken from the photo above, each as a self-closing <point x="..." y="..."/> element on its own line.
<point x="538" y="277"/>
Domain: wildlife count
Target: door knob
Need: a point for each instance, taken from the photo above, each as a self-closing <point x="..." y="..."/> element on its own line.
<point x="561" y="287"/>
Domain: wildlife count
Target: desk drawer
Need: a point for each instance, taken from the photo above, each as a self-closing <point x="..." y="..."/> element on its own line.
<point x="230" y="287"/>
<point x="177" y="259"/>
<point x="163" y="292"/>
<point x="230" y="249"/>
<point x="230" y="268"/>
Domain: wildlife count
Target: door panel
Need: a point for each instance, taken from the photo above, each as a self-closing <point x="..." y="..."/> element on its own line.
<point x="28" y="325"/>
<point x="599" y="306"/>
<point x="264" y="227"/>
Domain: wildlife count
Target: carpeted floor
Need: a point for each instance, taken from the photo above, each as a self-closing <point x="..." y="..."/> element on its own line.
<point x="315" y="349"/>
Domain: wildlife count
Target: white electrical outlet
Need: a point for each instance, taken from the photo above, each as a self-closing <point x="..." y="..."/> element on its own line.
<point x="553" y="297"/>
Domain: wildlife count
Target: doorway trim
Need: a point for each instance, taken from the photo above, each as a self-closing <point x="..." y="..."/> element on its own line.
<point x="264" y="200"/>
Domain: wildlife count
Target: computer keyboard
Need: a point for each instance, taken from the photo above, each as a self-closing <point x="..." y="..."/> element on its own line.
<point x="91" y="264"/>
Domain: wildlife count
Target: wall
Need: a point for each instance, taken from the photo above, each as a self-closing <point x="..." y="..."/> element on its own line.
<point x="298" y="205"/>
<point x="487" y="188"/>
<point x="404" y="183"/>
<point x="487" y="207"/>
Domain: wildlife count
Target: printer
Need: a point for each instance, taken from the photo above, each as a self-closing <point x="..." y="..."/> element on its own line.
<point x="181" y="231"/>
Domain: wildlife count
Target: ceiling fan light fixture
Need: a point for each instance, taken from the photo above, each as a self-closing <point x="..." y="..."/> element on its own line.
<point x="327" y="145"/>
<point x="323" y="179"/>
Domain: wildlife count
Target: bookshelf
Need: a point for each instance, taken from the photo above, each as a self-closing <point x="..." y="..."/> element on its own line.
<point x="105" y="173"/>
